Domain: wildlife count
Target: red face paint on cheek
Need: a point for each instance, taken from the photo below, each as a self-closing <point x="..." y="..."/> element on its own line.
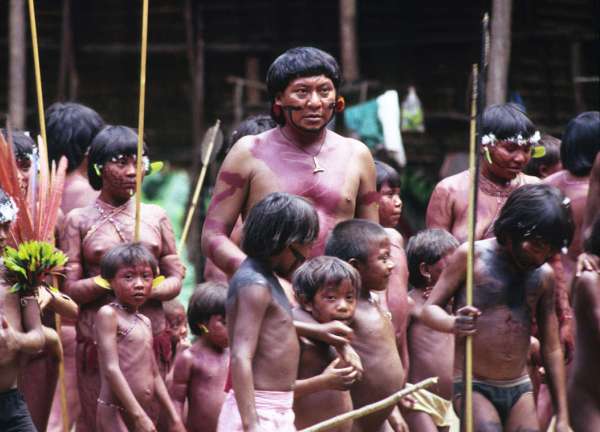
<point x="235" y="182"/>
<point x="368" y="198"/>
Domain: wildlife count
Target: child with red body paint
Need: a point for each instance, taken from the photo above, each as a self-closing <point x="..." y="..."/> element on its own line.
<point x="395" y="297"/>
<point x="200" y="372"/>
<point x="366" y="246"/>
<point x="431" y="351"/>
<point x="131" y="385"/>
<point x="327" y="288"/>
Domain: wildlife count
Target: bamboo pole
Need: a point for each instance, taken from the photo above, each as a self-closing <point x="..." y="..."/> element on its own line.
<point x="37" y="73"/>
<point x="199" y="183"/>
<point x="371" y="408"/>
<point x="468" y="371"/>
<point x="140" y="146"/>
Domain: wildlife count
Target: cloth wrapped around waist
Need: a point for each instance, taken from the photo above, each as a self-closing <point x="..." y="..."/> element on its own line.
<point x="439" y="409"/>
<point x="274" y="410"/>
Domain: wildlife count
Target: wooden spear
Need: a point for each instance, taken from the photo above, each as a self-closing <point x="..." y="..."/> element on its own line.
<point x="199" y="183"/>
<point x="371" y="408"/>
<point x="140" y="147"/>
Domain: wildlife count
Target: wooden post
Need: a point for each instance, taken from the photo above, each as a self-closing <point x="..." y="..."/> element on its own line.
<point x="66" y="66"/>
<point x="253" y="74"/>
<point x="497" y="79"/>
<point x="348" y="40"/>
<point x="17" y="75"/>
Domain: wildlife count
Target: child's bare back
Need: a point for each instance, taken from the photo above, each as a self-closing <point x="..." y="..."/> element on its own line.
<point x="375" y="343"/>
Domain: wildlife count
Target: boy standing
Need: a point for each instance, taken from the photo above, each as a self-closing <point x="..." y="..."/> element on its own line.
<point x="20" y="332"/>
<point x="278" y="234"/>
<point x="512" y="282"/>
<point x="431" y="352"/>
<point x="200" y="372"/>
<point x="584" y="382"/>
<point x="327" y="288"/>
<point x="366" y="246"/>
<point x="131" y="385"/>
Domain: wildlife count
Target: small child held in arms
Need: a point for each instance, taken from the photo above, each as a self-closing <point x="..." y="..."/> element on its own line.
<point x="327" y="288"/>
<point x="131" y="385"/>
<point x="366" y="246"/>
<point x="200" y="372"/>
<point x="431" y="351"/>
<point x="278" y="235"/>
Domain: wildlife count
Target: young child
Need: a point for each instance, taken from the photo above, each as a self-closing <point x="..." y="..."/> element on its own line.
<point x="20" y="333"/>
<point x="395" y="297"/>
<point x="584" y="382"/>
<point x="548" y="164"/>
<point x="131" y="384"/>
<point x="176" y="325"/>
<point x="278" y="234"/>
<point x="366" y="246"/>
<point x="327" y="288"/>
<point x="431" y="352"/>
<point x="512" y="283"/>
<point x="200" y="372"/>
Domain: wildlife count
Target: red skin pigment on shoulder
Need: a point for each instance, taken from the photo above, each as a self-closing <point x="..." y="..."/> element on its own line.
<point x="234" y="180"/>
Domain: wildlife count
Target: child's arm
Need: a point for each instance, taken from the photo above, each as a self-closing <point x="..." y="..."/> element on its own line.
<point x="108" y="353"/>
<point x="170" y="265"/>
<point x="334" y="333"/>
<point x="331" y="378"/>
<point x="397" y="422"/>
<point x="551" y="349"/>
<point x="434" y="315"/>
<point x="182" y="374"/>
<point x="25" y="310"/>
<point x="250" y="306"/>
<point x="165" y="401"/>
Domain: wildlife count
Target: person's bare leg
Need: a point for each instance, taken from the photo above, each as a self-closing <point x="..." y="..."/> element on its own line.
<point x="419" y="421"/>
<point x="522" y="416"/>
<point x="485" y="416"/>
<point x="55" y="424"/>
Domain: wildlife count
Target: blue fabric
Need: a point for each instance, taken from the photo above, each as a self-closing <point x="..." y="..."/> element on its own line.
<point x="363" y="119"/>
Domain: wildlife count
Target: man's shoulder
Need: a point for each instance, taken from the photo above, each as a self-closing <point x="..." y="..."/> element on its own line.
<point x="458" y="181"/>
<point x="345" y="143"/>
<point x="247" y="275"/>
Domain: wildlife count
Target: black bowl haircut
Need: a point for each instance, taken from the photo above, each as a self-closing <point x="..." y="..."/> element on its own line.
<point x="70" y="129"/>
<point x="536" y="210"/>
<point x="208" y="299"/>
<point x="354" y="238"/>
<point x="110" y="142"/>
<point x="506" y="121"/>
<point x="581" y="143"/>
<point x="277" y="221"/>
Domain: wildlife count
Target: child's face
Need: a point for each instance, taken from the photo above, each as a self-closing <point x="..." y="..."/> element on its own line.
<point x="292" y="257"/>
<point x="531" y="253"/>
<point x="334" y="302"/>
<point x="217" y="331"/>
<point x="177" y="324"/>
<point x="436" y="269"/>
<point x="390" y="206"/>
<point x="4" y="229"/>
<point x="24" y="171"/>
<point x="378" y="268"/>
<point x="132" y="284"/>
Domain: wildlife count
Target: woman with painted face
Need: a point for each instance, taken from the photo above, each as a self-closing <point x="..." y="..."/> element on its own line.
<point x="91" y="231"/>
